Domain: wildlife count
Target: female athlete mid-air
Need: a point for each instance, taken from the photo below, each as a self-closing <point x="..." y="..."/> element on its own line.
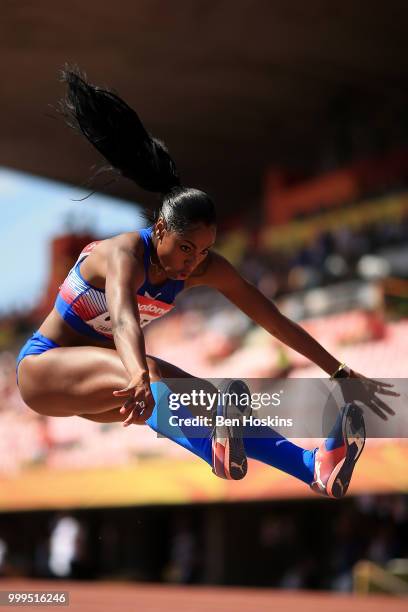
<point x="88" y="357"/>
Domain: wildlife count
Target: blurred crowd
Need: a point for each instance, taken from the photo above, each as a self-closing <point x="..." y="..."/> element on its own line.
<point x="323" y="556"/>
<point x="330" y="257"/>
<point x="292" y="545"/>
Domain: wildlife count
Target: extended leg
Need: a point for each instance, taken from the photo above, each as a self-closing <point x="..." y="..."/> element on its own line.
<point x="268" y="446"/>
<point x="282" y="454"/>
<point x="70" y="381"/>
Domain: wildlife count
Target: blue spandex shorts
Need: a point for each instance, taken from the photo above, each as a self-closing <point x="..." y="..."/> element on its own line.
<point x="35" y="345"/>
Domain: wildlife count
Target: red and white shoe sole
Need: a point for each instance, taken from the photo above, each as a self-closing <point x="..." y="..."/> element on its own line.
<point x="229" y="458"/>
<point x="228" y="451"/>
<point x="354" y="435"/>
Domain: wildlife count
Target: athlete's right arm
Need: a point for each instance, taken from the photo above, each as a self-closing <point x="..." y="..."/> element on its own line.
<point x="124" y="274"/>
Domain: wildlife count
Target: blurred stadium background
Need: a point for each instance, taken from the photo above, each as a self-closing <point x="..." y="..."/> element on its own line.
<point x="295" y="119"/>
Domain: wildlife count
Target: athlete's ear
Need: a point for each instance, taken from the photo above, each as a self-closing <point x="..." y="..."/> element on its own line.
<point x="160" y="227"/>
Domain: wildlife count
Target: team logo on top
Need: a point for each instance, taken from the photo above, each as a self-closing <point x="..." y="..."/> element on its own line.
<point x="151" y="308"/>
<point x="152" y="297"/>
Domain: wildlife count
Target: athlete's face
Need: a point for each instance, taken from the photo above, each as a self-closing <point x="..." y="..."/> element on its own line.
<point x="180" y="254"/>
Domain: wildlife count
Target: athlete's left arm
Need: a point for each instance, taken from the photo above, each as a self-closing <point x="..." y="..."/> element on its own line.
<point x="222" y="275"/>
<point x="218" y="273"/>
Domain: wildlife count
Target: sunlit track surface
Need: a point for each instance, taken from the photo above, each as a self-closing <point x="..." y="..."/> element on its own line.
<point x="109" y="596"/>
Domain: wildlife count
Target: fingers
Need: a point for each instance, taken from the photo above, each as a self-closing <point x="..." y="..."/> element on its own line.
<point x="138" y="406"/>
<point x="383" y="384"/>
<point x="383" y="406"/>
<point x="382" y="387"/>
<point x="131" y="411"/>
<point x="374" y="408"/>
<point x="136" y="412"/>
<point x="372" y="381"/>
<point x="378" y="407"/>
<point x="128" y="391"/>
<point x="132" y="417"/>
<point x="123" y="392"/>
<point x="127" y="406"/>
<point x="389" y="393"/>
<point x="136" y="393"/>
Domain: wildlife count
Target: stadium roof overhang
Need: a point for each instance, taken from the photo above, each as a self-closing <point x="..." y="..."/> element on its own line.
<point x="229" y="86"/>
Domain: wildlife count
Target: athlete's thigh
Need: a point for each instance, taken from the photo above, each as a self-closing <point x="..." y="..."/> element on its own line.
<point x="74" y="380"/>
<point x="70" y="380"/>
<point x="158" y="369"/>
<point x="79" y="380"/>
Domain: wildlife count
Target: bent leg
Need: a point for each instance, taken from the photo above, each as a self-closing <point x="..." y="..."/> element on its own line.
<point x="200" y="446"/>
<point x="68" y="381"/>
<point x="262" y="443"/>
<point x="193" y="438"/>
<point x="274" y="450"/>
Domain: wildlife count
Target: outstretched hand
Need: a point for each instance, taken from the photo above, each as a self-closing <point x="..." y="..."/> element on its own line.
<point x="367" y="391"/>
<point x="139" y="404"/>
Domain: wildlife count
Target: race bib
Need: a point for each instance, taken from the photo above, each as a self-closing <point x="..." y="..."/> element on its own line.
<point x="149" y="310"/>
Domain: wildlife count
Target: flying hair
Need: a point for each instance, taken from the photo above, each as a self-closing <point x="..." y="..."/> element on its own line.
<point x="116" y="131"/>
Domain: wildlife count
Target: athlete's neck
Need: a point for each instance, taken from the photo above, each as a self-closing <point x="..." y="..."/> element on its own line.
<point x="156" y="271"/>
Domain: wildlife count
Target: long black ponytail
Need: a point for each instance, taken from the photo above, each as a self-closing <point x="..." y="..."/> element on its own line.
<point x="116" y="131"/>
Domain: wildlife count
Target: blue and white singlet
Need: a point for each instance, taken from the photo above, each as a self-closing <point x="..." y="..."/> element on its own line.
<point x="84" y="308"/>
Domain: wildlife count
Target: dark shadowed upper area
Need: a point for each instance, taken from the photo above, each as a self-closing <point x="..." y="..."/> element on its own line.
<point x="230" y="86"/>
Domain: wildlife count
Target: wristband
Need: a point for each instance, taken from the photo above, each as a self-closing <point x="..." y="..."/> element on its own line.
<point x="343" y="371"/>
